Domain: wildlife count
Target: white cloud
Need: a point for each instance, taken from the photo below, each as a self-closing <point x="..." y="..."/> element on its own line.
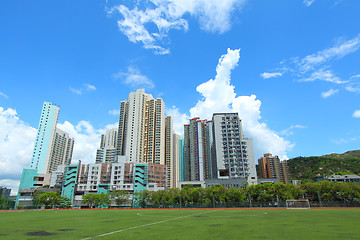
<point x="3" y="94"/>
<point x="11" y="184"/>
<point x="288" y="131"/>
<point x="351" y="88"/>
<point x="341" y="141"/>
<point x="356" y="114"/>
<point x="114" y="112"/>
<point x="87" y="139"/>
<point x="355" y="77"/>
<point x="323" y="75"/>
<point x="179" y="119"/>
<point x="134" y="78"/>
<point x="341" y="49"/>
<point x="17" y="142"/>
<point x="16" y="146"/>
<point x="315" y="66"/>
<point x="86" y="87"/>
<point x="308" y="2"/>
<point x="89" y="87"/>
<point x="353" y="85"/>
<point x="329" y="93"/>
<point x="266" y="75"/>
<point x="218" y="95"/>
<point x="165" y="15"/>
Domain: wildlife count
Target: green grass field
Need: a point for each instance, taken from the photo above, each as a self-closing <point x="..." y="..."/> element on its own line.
<point x="182" y="224"/>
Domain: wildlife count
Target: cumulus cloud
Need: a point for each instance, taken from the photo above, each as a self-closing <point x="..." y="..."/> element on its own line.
<point x="134" y="78"/>
<point x="138" y="23"/>
<point x="3" y="95"/>
<point x="356" y="114"/>
<point x="17" y="141"/>
<point x="266" y="75"/>
<point x="218" y="95"/>
<point x="86" y="137"/>
<point x="16" y="146"/>
<point x="179" y="119"/>
<point x="86" y="87"/>
<point x="329" y="93"/>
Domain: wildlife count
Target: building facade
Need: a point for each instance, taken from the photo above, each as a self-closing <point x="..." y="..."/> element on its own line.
<point x="233" y="155"/>
<point x="141" y="130"/>
<point x="108" y="147"/>
<point x="61" y="151"/>
<point x="44" y="138"/>
<point x="52" y="146"/>
<point x="197" y="151"/>
<point x="271" y="167"/>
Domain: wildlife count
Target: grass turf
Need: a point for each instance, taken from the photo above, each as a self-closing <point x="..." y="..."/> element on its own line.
<point x="182" y="224"/>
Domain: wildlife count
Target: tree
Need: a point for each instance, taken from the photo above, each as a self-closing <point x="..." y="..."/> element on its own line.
<point x="103" y="200"/>
<point x="64" y="202"/>
<point x="91" y="199"/>
<point x="140" y="198"/>
<point x="47" y="199"/>
<point x="120" y="197"/>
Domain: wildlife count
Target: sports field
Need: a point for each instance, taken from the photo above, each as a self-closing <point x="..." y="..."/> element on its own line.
<point x="181" y="224"/>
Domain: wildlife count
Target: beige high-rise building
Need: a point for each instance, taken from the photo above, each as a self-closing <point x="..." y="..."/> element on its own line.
<point x="61" y="151"/>
<point x="141" y="131"/>
<point x="174" y="175"/>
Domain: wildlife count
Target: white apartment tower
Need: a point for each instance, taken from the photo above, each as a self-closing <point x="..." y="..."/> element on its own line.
<point x="233" y="155"/>
<point x="141" y="131"/>
<point x="52" y="146"/>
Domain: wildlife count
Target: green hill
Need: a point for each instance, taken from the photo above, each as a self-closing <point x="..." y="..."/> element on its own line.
<point x="320" y="166"/>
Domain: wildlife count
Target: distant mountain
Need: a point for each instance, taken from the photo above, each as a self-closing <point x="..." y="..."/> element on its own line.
<point x="321" y="166"/>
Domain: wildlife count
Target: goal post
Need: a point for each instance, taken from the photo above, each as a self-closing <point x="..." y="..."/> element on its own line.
<point x="298" y="204"/>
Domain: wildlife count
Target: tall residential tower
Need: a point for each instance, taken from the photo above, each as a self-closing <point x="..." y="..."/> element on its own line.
<point x="52" y="146"/>
<point x="233" y="155"/>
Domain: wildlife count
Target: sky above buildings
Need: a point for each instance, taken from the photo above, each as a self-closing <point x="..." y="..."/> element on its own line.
<point x="290" y="68"/>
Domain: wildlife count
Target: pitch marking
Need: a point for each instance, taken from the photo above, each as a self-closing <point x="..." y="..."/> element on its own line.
<point x="145" y="225"/>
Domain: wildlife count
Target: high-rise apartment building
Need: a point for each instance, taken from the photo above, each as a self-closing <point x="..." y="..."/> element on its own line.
<point x="61" y="151"/>
<point x="169" y="150"/>
<point x="233" y="155"/>
<point x="181" y="160"/>
<point x="44" y="137"/>
<point x="52" y="146"/>
<point x="141" y="131"/>
<point x="176" y="160"/>
<point x="107" y="151"/>
<point x="197" y="151"/>
<point x="122" y="127"/>
<point x="271" y="167"/>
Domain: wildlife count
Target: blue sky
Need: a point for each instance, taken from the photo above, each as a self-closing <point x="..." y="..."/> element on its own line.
<point x="295" y="81"/>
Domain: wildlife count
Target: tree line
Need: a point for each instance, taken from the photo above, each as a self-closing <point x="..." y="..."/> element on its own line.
<point x="324" y="191"/>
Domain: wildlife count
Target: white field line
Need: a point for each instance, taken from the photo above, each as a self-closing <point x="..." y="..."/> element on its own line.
<point x="145" y="225"/>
